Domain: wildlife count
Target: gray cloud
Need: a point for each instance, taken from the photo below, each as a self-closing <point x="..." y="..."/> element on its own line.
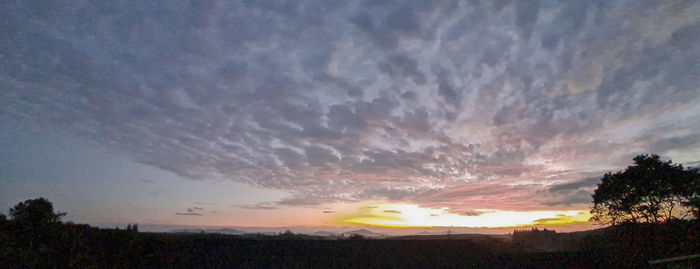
<point x="192" y="211"/>
<point x="572" y="193"/>
<point x="338" y="102"/>
<point x="156" y="192"/>
<point x="576" y="185"/>
<point x="526" y="16"/>
<point x="189" y="214"/>
<point x="400" y="65"/>
<point x="472" y="213"/>
<point x="578" y="197"/>
<point x="264" y="206"/>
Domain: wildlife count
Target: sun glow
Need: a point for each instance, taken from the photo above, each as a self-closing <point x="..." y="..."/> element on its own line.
<point x="410" y="215"/>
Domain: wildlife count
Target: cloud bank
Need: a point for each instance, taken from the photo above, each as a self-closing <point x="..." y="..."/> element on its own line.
<point x="460" y="104"/>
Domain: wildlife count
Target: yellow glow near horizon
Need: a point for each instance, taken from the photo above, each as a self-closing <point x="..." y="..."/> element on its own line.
<point x="410" y="215"/>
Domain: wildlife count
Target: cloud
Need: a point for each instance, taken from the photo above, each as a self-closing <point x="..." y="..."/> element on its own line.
<point x="526" y="16"/>
<point x="401" y="65"/>
<point x="572" y="193"/>
<point x="156" y="192"/>
<point x="194" y="211"/>
<point x="693" y="165"/>
<point x="576" y="185"/>
<point x="189" y="214"/>
<point x="261" y="206"/>
<point x="576" y="197"/>
<point x="472" y="213"/>
<point x="446" y="103"/>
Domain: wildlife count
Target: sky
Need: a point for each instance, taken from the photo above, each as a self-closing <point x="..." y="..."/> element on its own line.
<point x="412" y="114"/>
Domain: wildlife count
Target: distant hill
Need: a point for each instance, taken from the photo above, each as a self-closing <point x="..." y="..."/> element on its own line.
<point x="428" y="236"/>
<point x="224" y="231"/>
<point x="363" y="232"/>
<point x="209" y="231"/>
<point x="324" y="233"/>
<point x="187" y="231"/>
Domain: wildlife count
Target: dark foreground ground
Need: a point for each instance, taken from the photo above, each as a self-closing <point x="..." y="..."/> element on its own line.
<point x="81" y="246"/>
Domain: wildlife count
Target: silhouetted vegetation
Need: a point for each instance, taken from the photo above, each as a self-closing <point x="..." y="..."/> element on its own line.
<point x="647" y="203"/>
<point x="536" y="240"/>
<point x="50" y="243"/>
<point x="651" y="191"/>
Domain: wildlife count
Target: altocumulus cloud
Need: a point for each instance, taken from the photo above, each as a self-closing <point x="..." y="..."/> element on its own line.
<point x="440" y="103"/>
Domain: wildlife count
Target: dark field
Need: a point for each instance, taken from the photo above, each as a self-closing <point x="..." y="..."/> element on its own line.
<point x="81" y="246"/>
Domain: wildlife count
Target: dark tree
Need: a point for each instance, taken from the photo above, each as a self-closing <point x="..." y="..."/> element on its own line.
<point x="35" y="213"/>
<point x="3" y="223"/>
<point x="650" y="191"/>
<point x="691" y="192"/>
<point x="134" y="228"/>
<point x="35" y="224"/>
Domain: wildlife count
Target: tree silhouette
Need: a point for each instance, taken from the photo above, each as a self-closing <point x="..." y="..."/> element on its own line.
<point x="35" y="213"/>
<point x="132" y="228"/>
<point x="691" y="192"/>
<point x="35" y="223"/>
<point x="3" y="226"/>
<point x="650" y="191"/>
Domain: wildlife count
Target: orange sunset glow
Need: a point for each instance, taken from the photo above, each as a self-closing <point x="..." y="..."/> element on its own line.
<point x="412" y="216"/>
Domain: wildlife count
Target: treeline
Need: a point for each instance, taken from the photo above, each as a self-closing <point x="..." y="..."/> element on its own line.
<point x="34" y="237"/>
<point x="621" y="245"/>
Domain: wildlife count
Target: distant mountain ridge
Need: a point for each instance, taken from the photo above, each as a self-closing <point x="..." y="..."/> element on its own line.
<point x="209" y="231"/>
<point x="187" y="231"/>
<point x="431" y="233"/>
<point x="363" y="232"/>
<point x="324" y="233"/>
<point x="224" y="231"/>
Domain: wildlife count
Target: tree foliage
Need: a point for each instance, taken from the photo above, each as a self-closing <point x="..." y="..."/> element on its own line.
<point x="35" y="213"/>
<point x="650" y="191"/>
